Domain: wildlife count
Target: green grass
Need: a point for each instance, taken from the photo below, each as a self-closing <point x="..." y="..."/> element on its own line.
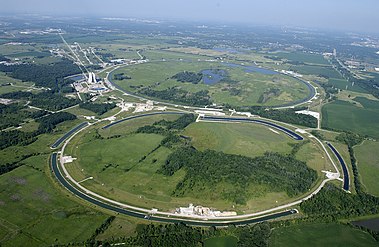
<point x="368" y="165"/>
<point x="343" y="84"/>
<point x="343" y="115"/>
<point x="319" y="234"/>
<point x="30" y="206"/>
<point x="242" y="138"/>
<point x="224" y="241"/>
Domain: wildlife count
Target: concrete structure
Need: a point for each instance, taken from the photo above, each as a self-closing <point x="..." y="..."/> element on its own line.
<point x="91" y="78"/>
<point x="192" y="210"/>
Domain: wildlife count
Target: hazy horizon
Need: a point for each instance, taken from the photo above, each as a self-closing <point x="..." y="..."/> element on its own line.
<point x="344" y="15"/>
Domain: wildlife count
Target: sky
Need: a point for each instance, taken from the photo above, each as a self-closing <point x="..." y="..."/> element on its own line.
<point x="348" y="15"/>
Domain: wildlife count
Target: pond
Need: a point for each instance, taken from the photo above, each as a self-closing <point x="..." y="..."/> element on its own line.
<point x="77" y="77"/>
<point x="372" y="224"/>
<point x="213" y="76"/>
<point x="252" y="69"/>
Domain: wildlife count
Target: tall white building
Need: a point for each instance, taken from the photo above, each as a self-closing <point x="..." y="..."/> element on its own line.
<point x="91" y="78"/>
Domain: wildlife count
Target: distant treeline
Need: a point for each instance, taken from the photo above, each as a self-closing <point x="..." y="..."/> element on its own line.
<point x="99" y="109"/>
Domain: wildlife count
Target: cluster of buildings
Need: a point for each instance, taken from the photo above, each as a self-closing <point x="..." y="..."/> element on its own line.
<point x="192" y="210"/>
<point x="90" y="84"/>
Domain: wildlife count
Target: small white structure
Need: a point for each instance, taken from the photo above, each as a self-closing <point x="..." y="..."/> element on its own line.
<point x="67" y="159"/>
<point x="311" y="113"/>
<point x="213" y="113"/>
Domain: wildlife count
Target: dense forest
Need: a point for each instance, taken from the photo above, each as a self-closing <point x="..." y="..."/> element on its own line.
<point x="336" y="203"/>
<point x="169" y="129"/>
<point x="15" y="114"/>
<point x="47" y="100"/>
<point x="200" y="98"/>
<point x="187" y="76"/>
<point x="46" y="125"/>
<point x="42" y="75"/>
<point x="279" y="172"/>
<point x="99" y="109"/>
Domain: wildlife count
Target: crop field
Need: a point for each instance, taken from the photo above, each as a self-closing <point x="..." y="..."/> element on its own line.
<point x="327" y="71"/>
<point x="303" y="57"/>
<point x="344" y="84"/>
<point x="343" y="115"/>
<point x="317" y="234"/>
<point x="124" y="164"/>
<point x="248" y="87"/>
<point x="368" y="165"/>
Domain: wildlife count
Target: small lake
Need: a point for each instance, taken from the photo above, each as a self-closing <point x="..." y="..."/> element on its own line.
<point x="213" y="76"/>
<point x="372" y="224"/>
<point x="252" y="69"/>
<point x="77" y="77"/>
